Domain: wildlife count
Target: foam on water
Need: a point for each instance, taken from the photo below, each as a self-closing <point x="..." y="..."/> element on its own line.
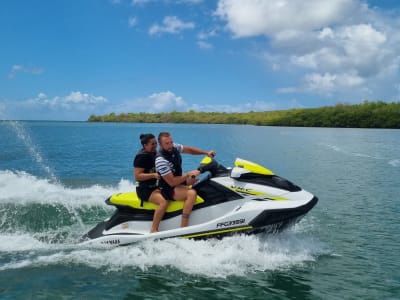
<point x="19" y="242"/>
<point x="32" y="148"/>
<point x="44" y="191"/>
<point x="392" y="162"/>
<point x="239" y="255"/>
<point x="48" y="211"/>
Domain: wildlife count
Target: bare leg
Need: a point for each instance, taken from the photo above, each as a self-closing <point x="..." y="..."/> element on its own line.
<point x="157" y="198"/>
<point x="182" y="192"/>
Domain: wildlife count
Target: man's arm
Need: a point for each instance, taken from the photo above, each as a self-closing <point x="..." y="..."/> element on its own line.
<point x="196" y="151"/>
<point x="176" y="180"/>
<point x="163" y="168"/>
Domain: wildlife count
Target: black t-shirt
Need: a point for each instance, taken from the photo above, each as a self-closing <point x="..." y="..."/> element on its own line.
<point x="145" y="160"/>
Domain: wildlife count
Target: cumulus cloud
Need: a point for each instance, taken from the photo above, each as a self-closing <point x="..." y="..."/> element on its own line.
<point x="172" y="25"/>
<point x="243" y="107"/>
<point x="191" y="2"/>
<point x="338" y="45"/>
<point x="270" y="17"/>
<point x="74" y="101"/>
<point x="15" y="69"/>
<point x="132" y="21"/>
<point x="203" y="38"/>
<point x="167" y="102"/>
<point x="155" y="103"/>
<point x="326" y="83"/>
<point x="144" y="2"/>
<point x="78" y="98"/>
<point x="141" y="2"/>
<point x="74" y="106"/>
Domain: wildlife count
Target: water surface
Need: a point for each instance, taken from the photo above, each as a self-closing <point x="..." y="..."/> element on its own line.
<point x="55" y="176"/>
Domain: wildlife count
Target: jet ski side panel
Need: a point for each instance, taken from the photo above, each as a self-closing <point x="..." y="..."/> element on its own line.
<point x="278" y="219"/>
<point x="248" y="201"/>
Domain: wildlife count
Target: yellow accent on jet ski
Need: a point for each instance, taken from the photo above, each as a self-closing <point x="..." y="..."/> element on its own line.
<point x="256" y="193"/>
<point x="132" y="200"/>
<point x="252" y="167"/>
<point x="206" y="160"/>
<point x="216" y="232"/>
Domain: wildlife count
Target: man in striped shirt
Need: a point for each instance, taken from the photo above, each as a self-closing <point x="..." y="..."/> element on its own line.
<point x="173" y="183"/>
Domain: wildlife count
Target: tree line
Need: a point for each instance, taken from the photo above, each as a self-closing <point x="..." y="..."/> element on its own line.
<point x="368" y="114"/>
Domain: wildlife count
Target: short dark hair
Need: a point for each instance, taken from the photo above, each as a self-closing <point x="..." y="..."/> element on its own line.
<point x="145" y="138"/>
<point x="163" y="134"/>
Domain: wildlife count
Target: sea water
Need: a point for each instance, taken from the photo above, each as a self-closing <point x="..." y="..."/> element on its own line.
<point x="55" y="176"/>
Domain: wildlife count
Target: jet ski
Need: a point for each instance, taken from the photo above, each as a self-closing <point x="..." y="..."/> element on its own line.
<point x="245" y="199"/>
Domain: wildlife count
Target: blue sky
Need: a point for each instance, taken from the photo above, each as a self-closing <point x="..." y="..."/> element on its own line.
<point x="66" y="60"/>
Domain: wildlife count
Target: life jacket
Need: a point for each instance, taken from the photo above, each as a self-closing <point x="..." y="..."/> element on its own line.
<point x="175" y="158"/>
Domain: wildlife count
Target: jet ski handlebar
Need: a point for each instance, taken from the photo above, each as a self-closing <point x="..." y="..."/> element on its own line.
<point x="210" y="164"/>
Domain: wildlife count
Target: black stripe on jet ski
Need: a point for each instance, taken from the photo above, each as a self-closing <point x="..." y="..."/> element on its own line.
<point x="278" y="219"/>
<point x="213" y="233"/>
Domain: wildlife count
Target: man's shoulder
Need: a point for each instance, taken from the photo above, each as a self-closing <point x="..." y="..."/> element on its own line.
<point x="160" y="159"/>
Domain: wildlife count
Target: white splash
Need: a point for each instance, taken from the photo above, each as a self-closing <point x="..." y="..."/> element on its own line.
<point x="44" y="191"/>
<point x="19" y="242"/>
<point x="32" y="148"/>
<point x="239" y="255"/>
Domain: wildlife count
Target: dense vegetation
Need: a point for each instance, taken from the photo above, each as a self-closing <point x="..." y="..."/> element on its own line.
<point x="366" y="115"/>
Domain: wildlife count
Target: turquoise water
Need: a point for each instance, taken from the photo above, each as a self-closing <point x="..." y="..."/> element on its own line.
<point x="55" y="176"/>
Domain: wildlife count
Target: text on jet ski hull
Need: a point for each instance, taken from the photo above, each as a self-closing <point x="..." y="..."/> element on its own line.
<point x="231" y="223"/>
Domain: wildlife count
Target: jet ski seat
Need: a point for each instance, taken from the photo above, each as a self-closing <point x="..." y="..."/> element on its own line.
<point x="131" y="199"/>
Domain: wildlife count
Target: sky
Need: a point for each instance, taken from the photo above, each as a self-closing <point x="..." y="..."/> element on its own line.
<point x="69" y="59"/>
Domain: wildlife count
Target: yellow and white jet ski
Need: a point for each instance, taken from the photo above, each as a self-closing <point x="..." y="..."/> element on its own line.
<point x="247" y="199"/>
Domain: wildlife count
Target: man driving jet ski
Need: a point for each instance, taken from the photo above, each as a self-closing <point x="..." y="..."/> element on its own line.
<point x="173" y="183"/>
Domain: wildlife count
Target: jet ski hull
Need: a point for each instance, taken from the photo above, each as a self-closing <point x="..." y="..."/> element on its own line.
<point x="245" y="202"/>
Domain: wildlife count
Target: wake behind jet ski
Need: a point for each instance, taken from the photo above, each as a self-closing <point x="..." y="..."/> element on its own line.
<point x="246" y="199"/>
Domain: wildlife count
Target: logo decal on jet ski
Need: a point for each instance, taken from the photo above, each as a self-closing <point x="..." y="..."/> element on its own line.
<point x="111" y="242"/>
<point x="231" y="223"/>
<point x="256" y="193"/>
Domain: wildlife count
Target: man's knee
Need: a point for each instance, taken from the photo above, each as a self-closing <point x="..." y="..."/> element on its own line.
<point x="192" y="193"/>
<point x="164" y="203"/>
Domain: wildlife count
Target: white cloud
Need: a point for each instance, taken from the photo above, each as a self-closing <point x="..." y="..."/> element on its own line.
<point x="358" y="47"/>
<point x="243" y="107"/>
<point x="335" y="46"/>
<point x="78" y="98"/>
<point x="270" y="17"/>
<point x="15" y="69"/>
<point x="189" y="1"/>
<point x="155" y="103"/>
<point x="203" y="38"/>
<point x="204" y="44"/>
<point x="144" y="2"/>
<point x="168" y="102"/>
<point x="74" y="106"/>
<point x="132" y="21"/>
<point x="75" y="101"/>
<point x="141" y="2"/>
<point x="172" y="25"/>
<point x="326" y="83"/>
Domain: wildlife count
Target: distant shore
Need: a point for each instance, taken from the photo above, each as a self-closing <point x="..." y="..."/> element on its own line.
<point x="377" y="114"/>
